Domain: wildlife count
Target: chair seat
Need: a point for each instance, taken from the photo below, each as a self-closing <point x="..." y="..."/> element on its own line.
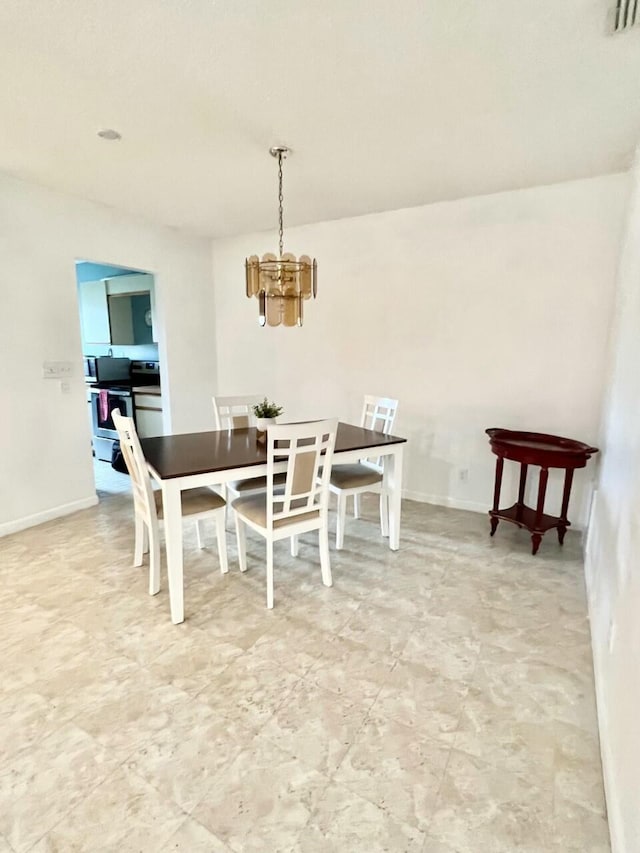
<point x="252" y="484"/>
<point x="193" y="501"/>
<point x="353" y="476"/>
<point x="254" y="507"/>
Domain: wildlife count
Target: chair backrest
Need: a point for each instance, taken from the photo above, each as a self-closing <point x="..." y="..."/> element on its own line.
<point x="136" y="465"/>
<point x="235" y="412"/>
<point x="308" y="450"/>
<point x="379" y="413"/>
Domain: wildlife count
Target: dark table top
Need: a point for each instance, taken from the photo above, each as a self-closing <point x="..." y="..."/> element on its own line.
<point x="539" y="448"/>
<point x="203" y="452"/>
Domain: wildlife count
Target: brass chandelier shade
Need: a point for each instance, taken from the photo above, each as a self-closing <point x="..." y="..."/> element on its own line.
<point x="281" y="282"/>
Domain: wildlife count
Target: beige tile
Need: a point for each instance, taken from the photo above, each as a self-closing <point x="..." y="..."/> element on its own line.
<point x="233" y="618"/>
<point x="24" y="716"/>
<point x="299" y="577"/>
<point x="406" y="603"/>
<point x="355" y="576"/>
<point x="483" y="808"/>
<point x="194" y="660"/>
<point x="70" y="592"/>
<point x="432" y="845"/>
<point x="132" y="713"/>
<point x="23" y="626"/>
<point x="262" y="801"/>
<point x="4" y="846"/>
<point x="316" y="726"/>
<point x="444" y="647"/>
<point x="87" y="679"/>
<point x="123" y="815"/>
<point x="182" y="759"/>
<point x="416" y="569"/>
<point x="192" y="837"/>
<point x="296" y="645"/>
<point x="352" y="670"/>
<point x="129" y="624"/>
<point x="377" y="629"/>
<point x="553" y="641"/>
<point x="578" y="776"/>
<point x="429" y="703"/>
<point x="465" y="640"/>
<point x="493" y="733"/>
<point x="396" y="770"/>
<point x="250" y="688"/>
<point x="579" y="830"/>
<point x="325" y="609"/>
<point x="345" y="821"/>
<point x="40" y="785"/>
<point x="538" y="691"/>
<point x="33" y="664"/>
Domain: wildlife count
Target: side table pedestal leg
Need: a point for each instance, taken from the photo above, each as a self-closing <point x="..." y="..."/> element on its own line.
<point x="563" y="523"/>
<point x="496" y="493"/>
<point x="523" y="485"/>
<point x="536" y="538"/>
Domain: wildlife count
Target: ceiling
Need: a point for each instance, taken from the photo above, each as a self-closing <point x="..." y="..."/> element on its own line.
<point x="385" y="104"/>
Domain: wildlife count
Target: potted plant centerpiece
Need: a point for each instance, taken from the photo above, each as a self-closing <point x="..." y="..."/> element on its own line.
<point x="266" y="413"/>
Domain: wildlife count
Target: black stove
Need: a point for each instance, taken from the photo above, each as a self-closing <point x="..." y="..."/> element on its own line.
<point x="107" y="385"/>
<point x="145" y="373"/>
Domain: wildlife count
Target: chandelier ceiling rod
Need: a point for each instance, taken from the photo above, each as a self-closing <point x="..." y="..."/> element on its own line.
<point x="280" y="152"/>
<point x="281" y="283"/>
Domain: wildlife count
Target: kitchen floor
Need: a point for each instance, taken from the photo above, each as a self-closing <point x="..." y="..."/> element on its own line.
<point x="439" y="699"/>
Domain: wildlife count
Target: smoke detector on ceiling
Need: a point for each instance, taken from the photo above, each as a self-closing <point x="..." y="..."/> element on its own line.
<point x="110" y="134"/>
<point x="625" y="15"/>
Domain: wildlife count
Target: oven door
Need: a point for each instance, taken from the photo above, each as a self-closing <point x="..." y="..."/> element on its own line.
<point x="101" y="407"/>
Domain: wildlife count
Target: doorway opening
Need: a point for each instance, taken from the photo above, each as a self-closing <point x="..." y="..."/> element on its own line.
<point x="121" y="360"/>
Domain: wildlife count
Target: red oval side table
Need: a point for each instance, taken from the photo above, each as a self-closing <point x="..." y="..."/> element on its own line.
<point x="547" y="451"/>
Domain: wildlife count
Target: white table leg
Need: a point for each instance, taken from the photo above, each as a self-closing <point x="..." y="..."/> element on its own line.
<point x="172" y="507"/>
<point x="393" y="477"/>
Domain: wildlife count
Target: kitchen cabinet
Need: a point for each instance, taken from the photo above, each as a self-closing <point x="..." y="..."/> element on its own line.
<point x="118" y="310"/>
<point x="94" y="312"/>
<point x="131" y="309"/>
<point x="148" y="409"/>
<point x="130" y="318"/>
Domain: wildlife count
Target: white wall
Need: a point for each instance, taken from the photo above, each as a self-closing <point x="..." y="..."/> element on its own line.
<point x="489" y="311"/>
<point x="613" y="554"/>
<point x="46" y="464"/>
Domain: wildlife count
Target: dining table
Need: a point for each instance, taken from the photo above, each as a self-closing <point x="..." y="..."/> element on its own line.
<point x="213" y="458"/>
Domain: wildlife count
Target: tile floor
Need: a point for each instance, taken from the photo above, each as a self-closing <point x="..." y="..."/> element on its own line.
<point x="435" y="700"/>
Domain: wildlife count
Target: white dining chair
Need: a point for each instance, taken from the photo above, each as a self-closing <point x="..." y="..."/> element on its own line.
<point x="298" y="506"/>
<point x="197" y="504"/>
<point x="237" y="413"/>
<point x="378" y="413"/>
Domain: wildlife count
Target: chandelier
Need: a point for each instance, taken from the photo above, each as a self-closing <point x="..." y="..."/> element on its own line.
<point x="281" y="282"/>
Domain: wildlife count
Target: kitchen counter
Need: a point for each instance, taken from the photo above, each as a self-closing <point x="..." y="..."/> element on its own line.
<point x="147" y="389"/>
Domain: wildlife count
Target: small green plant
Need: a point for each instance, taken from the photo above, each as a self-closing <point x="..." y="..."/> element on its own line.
<point x="265" y="409"/>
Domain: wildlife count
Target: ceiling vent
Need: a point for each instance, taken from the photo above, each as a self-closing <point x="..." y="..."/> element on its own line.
<point x="625" y="15"/>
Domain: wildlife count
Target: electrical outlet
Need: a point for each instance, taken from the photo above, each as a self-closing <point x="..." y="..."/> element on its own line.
<point x="65" y="387"/>
<point x="463" y="475"/>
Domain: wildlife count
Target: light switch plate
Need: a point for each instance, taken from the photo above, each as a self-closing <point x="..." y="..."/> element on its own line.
<point x="57" y="369"/>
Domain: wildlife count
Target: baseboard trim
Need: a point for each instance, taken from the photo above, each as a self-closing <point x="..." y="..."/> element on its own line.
<point x="439" y="500"/>
<point x="613" y="815"/>
<point x="9" y="527"/>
